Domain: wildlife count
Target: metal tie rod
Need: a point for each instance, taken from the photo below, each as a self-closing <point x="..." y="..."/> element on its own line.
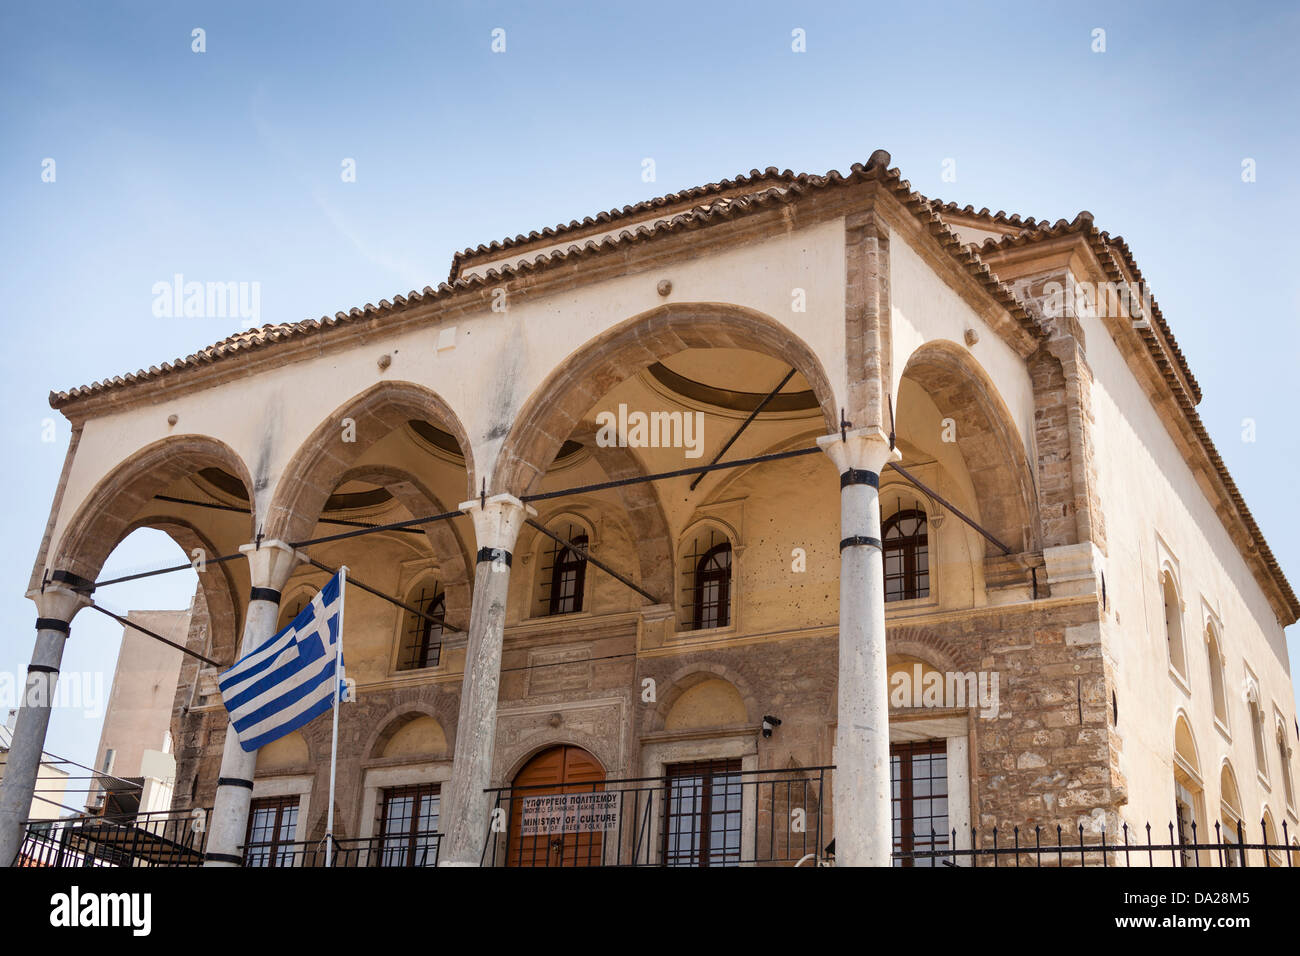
<point x="429" y="519"/>
<point x="590" y="560"/>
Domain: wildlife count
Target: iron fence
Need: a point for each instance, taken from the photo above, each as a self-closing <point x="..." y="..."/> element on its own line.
<point x="161" y="838"/>
<point x="1046" y="847"/>
<point x="417" y="849"/>
<point x="694" y="815"/>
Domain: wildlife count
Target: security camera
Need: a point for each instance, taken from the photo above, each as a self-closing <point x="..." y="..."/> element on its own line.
<point x="768" y="723"/>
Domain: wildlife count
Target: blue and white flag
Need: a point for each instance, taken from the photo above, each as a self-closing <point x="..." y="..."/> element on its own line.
<point x="290" y="680"/>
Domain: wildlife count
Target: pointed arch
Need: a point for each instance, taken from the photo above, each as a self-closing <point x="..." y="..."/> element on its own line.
<point x="320" y="463"/>
<point x="114" y="506"/>
<point x="987" y="437"/>
<point x="556" y="407"/>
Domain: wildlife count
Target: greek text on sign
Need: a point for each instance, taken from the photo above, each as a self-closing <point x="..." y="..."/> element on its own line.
<point x="569" y="813"/>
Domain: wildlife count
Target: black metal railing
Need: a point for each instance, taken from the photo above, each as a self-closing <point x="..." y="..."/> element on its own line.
<point x="405" y="849"/>
<point x="1047" y="846"/>
<point x="693" y="816"/>
<point x="162" y="838"/>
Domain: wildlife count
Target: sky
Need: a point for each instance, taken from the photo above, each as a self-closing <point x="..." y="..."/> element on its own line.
<point x="227" y="165"/>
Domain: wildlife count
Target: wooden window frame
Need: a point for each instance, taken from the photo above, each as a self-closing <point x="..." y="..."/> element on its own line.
<point x="412" y="834"/>
<point x="905" y="750"/>
<point x="909" y="546"/>
<point x="565" y="561"/>
<point x="420" y="647"/>
<point x="277" y="844"/>
<point x="720" y="577"/>
<point x="699" y="855"/>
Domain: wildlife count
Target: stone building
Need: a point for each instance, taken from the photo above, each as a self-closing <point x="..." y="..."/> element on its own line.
<point x="1011" y="572"/>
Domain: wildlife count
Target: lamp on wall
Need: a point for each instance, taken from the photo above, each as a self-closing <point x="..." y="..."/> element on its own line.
<point x="769" y="723"/>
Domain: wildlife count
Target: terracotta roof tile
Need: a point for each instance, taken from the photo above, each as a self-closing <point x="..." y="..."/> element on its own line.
<point x="1083" y="224"/>
<point x="999" y="218"/>
<point x="768" y="176"/>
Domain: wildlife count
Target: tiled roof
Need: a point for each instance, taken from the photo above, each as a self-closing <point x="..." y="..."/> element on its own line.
<point x="787" y="191"/>
<point x="767" y="177"/>
<point x="1036" y="231"/>
<point x="998" y="218"/>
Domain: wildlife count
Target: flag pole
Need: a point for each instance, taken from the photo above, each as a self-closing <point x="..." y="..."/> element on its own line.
<point x="334" y="744"/>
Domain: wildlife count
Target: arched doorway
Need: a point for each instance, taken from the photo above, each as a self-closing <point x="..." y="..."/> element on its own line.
<point x="536" y="839"/>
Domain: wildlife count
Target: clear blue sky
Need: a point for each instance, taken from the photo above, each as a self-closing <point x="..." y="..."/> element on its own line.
<point x="225" y="166"/>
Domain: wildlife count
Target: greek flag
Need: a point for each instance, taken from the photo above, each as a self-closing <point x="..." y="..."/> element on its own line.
<point x="290" y="680"/>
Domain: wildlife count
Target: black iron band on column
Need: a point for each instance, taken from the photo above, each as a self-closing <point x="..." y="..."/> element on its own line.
<point x="52" y="624"/>
<point x="494" y="555"/>
<point x="42" y="669"/>
<point x="264" y="594"/>
<point x="224" y="858"/>
<point x="234" y="782"/>
<point x="858" y="541"/>
<point x="859" y="476"/>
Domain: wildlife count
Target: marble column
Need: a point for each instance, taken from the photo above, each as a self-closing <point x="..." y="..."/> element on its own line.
<point x="55" y="606"/>
<point x="466" y="808"/>
<point x="861" y="789"/>
<point x="269" y="567"/>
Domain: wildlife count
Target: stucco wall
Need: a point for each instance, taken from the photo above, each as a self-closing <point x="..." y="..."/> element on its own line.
<point x="1150" y="495"/>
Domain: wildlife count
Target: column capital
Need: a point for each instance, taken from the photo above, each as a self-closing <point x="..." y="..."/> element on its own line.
<point x="497" y="520"/>
<point x="270" y="563"/>
<point x="58" y="602"/>
<point x="862" y="449"/>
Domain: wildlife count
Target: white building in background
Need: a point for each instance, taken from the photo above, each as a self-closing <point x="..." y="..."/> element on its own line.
<point x="50" y="797"/>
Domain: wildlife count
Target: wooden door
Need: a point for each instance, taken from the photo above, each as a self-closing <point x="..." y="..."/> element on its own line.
<point x="560" y="770"/>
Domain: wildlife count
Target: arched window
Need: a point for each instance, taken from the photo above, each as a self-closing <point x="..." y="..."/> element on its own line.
<point x="1217" y="689"/>
<point x="907" y="555"/>
<point x="1173" y="623"/>
<point x="1257" y="726"/>
<point x="707" y="587"/>
<point x="1284" y="755"/>
<point x="422" y="633"/>
<point x="1189" y="802"/>
<point x="1273" y="839"/>
<point x="713" y="586"/>
<point x="1231" y="827"/>
<point x="564" y="572"/>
